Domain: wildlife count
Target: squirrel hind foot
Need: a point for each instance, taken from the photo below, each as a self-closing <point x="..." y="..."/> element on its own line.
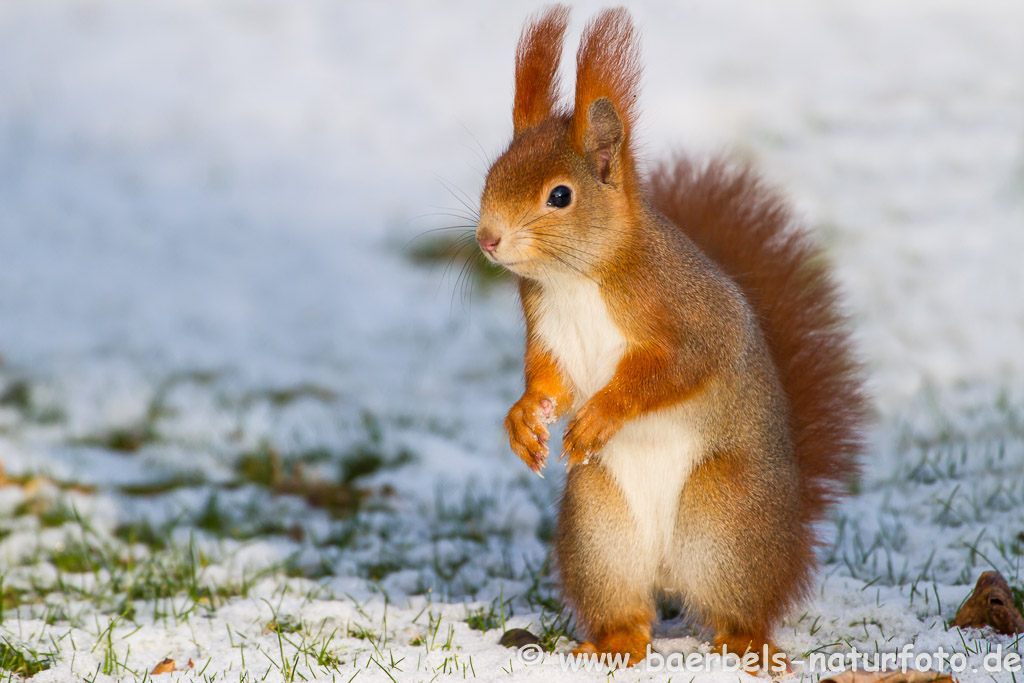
<point x="621" y="640"/>
<point x="765" y="655"/>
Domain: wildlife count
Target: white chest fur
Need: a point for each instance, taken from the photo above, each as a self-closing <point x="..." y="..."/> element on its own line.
<point x="651" y="457"/>
<point x="574" y="323"/>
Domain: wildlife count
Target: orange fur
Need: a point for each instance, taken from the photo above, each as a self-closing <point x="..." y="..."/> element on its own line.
<point x="540" y="369"/>
<point x="617" y="617"/>
<point x="630" y="635"/>
<point x="741" y="645"/>
<point x="772" y="567"/>
<point x="608" y="65"/>
<point x="525" y="422"/>
<point x="645" y="380"/>
<point x="750" y="233"/>
<point x="537" y="57"/>
<point x="692" y="333"/>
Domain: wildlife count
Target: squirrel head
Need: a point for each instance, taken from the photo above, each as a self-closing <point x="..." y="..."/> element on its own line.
<point x="559" y="198"/>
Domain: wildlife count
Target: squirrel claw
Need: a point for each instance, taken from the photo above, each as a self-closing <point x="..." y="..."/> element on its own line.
<point x="540" y="461"/>
<point x="574" y="457"/>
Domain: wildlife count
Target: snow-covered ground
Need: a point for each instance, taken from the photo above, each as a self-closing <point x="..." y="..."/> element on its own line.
<point x="240" y="424"/>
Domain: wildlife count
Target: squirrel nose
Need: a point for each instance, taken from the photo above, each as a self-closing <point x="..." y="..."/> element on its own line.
<point x="487" y="242"/>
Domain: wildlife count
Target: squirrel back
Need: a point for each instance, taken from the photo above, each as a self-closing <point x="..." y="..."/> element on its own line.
<point x="750" y="233"/>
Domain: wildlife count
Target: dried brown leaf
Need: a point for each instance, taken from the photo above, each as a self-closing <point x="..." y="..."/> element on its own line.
<point x="163" y="667"/>
<point x="991" y="604"/>
<point x="851" y="676"/>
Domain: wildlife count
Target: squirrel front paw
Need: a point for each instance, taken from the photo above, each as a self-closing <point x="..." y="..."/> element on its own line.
<point x="588" y="432"/>
<point x="528" y="435"/>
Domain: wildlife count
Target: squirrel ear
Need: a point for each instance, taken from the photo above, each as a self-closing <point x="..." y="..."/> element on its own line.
<point x="603" y="139"/>
<point x="537" y="58"/>
<point x="607" y="79"/>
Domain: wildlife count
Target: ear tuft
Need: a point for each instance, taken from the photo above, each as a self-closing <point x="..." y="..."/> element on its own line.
<point x="537" y="59"/>
<point x="607" y="80"/>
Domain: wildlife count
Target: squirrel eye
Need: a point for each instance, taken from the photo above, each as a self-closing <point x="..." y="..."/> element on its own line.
<point x="560" y="197"/>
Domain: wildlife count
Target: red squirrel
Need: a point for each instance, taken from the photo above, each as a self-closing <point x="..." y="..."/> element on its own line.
<point x="689" y="329"/>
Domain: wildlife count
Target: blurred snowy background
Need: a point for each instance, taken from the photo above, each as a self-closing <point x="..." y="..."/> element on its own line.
<point x="244" y="418"/>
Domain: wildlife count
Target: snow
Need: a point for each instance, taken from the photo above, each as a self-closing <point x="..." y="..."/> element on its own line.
<point x="205" y="217"/>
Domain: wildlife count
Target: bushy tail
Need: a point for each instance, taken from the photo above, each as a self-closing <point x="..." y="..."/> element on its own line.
<point x="750" y="232"/>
